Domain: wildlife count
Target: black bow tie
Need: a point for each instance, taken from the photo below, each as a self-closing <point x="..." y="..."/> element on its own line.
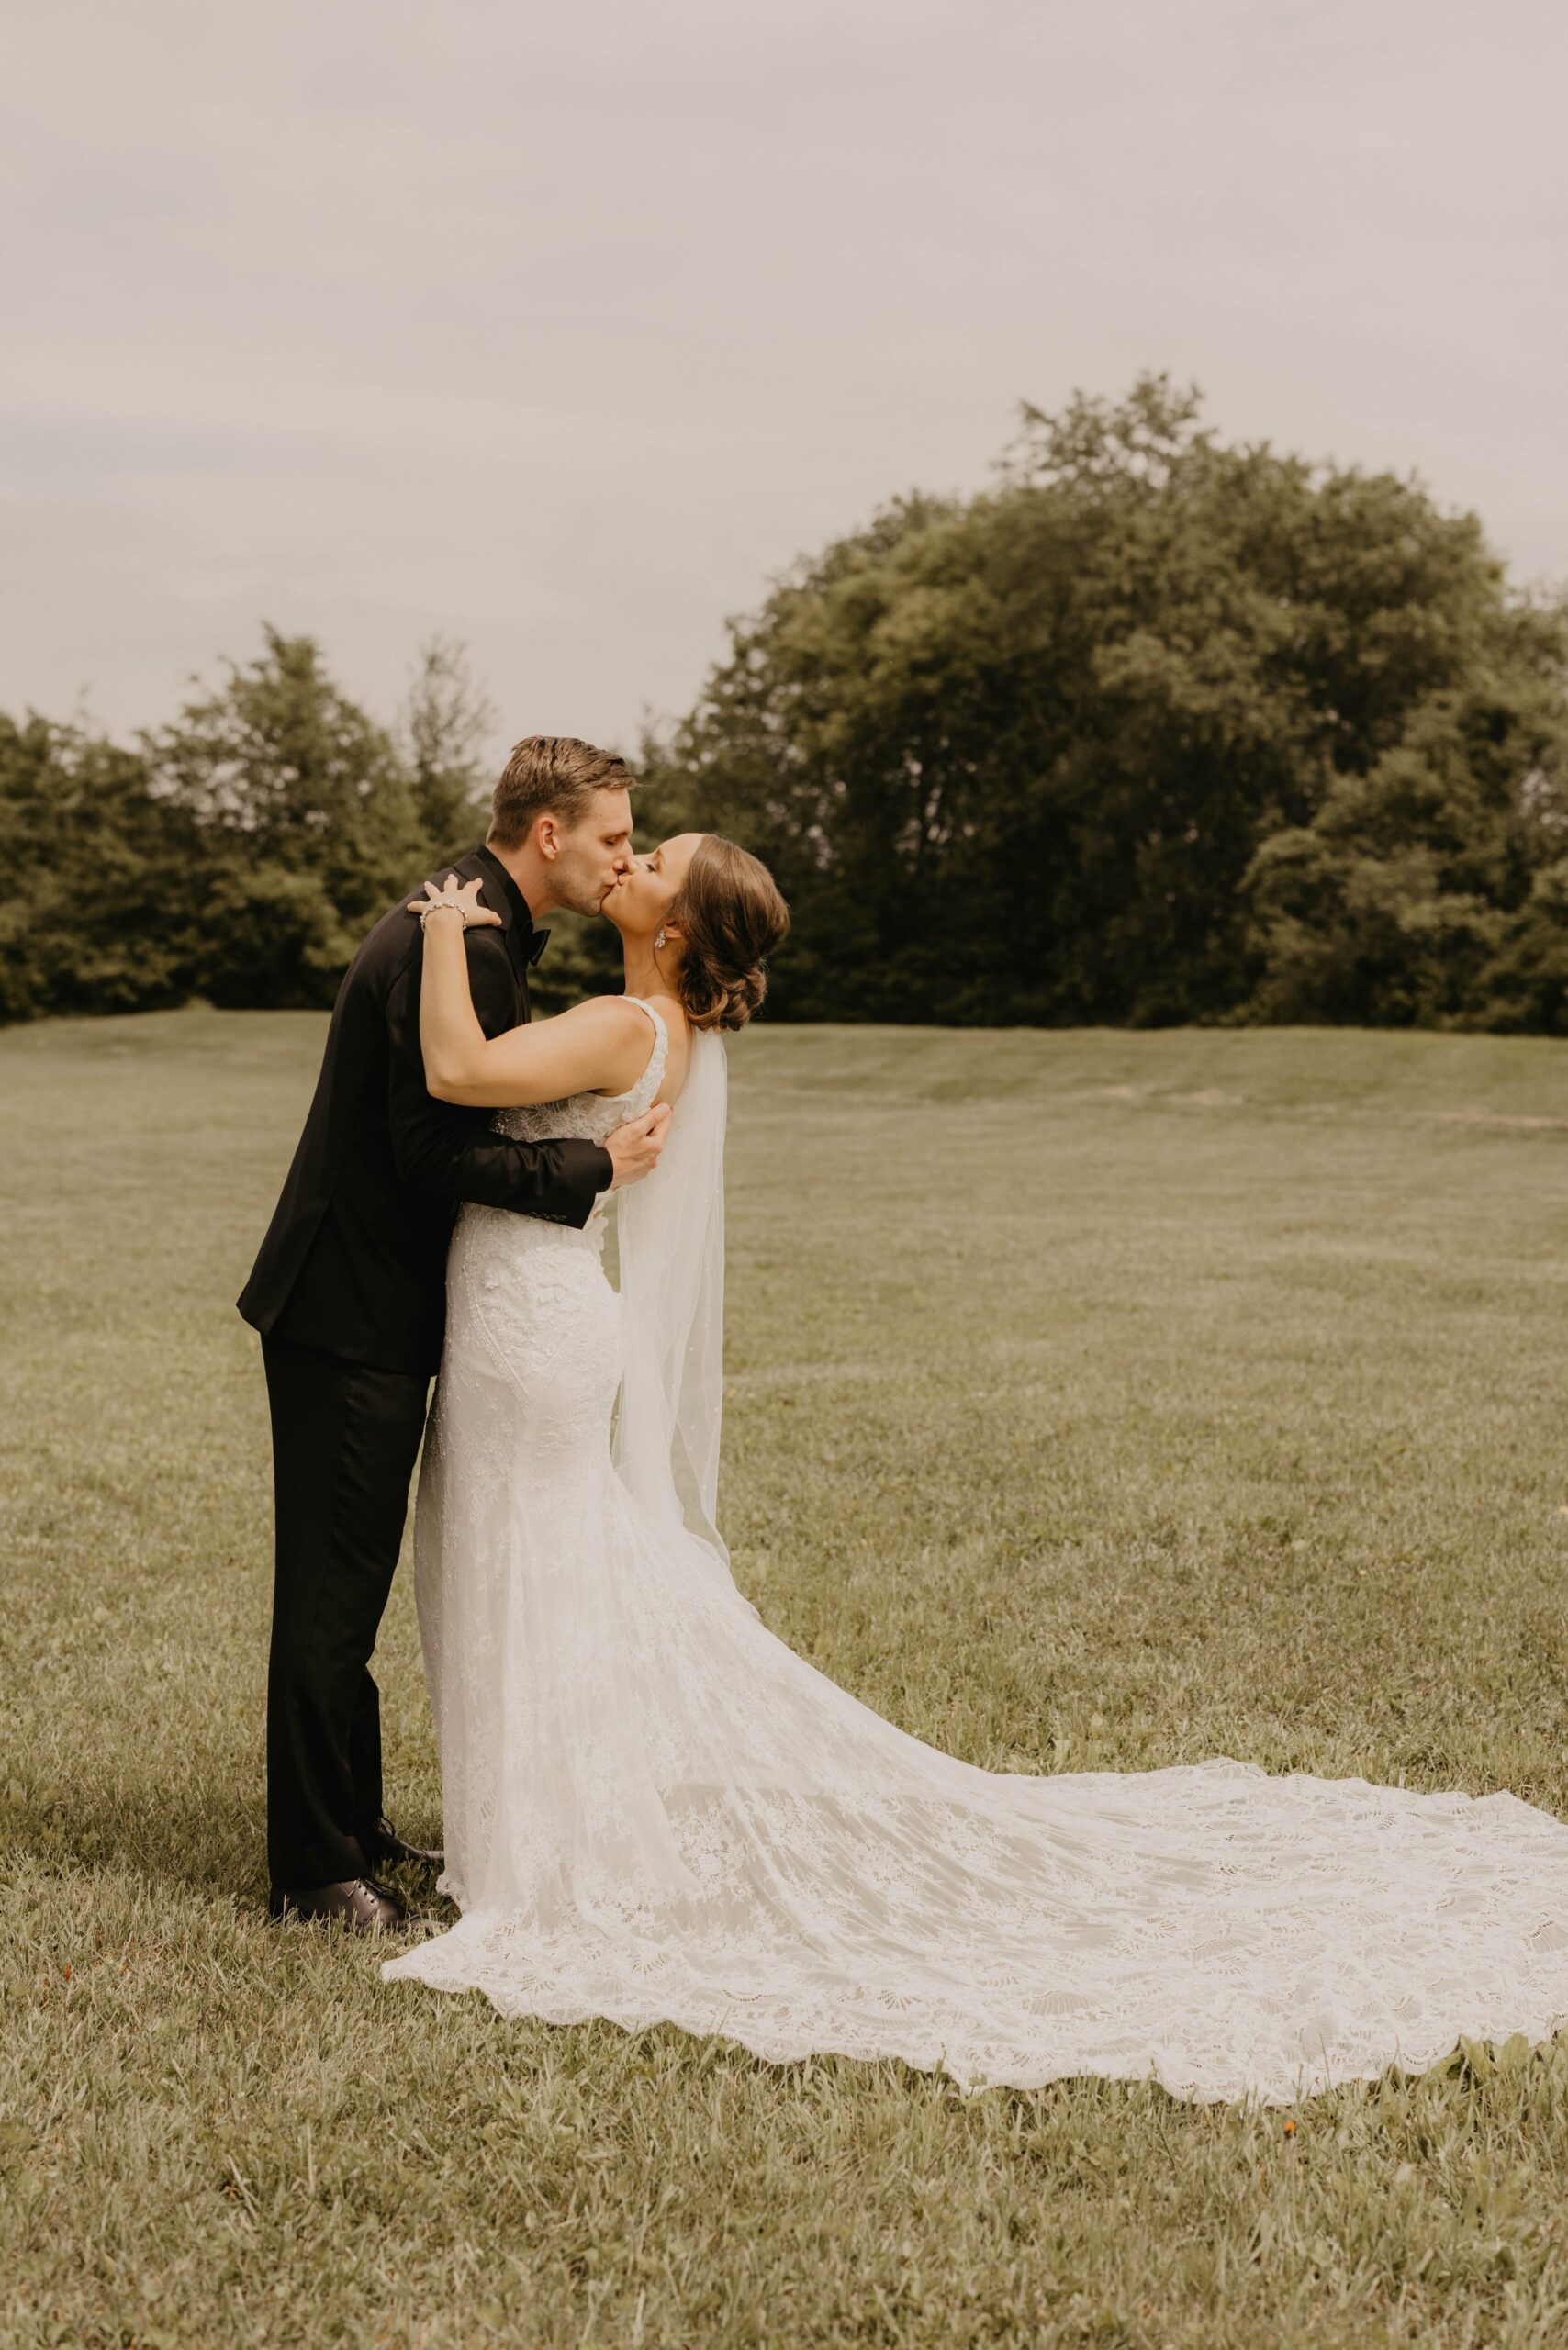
<point x="536" y="946"/>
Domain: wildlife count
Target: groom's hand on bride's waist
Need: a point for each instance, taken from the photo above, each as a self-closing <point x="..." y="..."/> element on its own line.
<point x="634" y="1148"/>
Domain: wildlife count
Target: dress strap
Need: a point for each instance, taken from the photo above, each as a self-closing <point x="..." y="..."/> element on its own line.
<point x="660" y="1053"/>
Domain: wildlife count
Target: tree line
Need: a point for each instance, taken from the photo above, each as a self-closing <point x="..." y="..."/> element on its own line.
<point x="1158" y="729"/>
<point x="238" y="854"/>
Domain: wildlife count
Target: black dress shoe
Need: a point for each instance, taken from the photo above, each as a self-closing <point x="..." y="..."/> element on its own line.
<point x="383" y="1844"/>
<point x="357" y="1902"/>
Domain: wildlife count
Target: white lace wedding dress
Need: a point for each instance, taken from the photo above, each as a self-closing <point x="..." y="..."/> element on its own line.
<point x="656" y="1811"/>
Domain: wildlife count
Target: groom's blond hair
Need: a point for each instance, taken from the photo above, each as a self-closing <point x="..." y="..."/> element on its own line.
<point x="552" y="774"/>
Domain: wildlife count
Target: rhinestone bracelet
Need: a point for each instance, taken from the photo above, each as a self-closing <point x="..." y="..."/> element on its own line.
<point x="453" y="903"/>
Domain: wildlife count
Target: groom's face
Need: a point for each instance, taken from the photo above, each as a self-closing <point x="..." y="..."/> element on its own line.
<point x="593" y="855"/>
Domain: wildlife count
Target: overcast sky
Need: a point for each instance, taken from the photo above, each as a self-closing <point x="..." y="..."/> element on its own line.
<point x="559" y="330"/>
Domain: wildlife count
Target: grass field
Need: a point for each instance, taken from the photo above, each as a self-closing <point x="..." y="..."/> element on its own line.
<point x="1094" y="1399"/>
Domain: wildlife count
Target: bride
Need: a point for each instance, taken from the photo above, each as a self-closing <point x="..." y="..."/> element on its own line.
<point x="657" y="1812"/>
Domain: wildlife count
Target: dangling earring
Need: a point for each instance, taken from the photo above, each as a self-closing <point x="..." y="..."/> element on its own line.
<point x="658" y="941"/>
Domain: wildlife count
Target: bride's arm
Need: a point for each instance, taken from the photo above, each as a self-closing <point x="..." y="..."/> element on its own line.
<point x="600" y="1046"/>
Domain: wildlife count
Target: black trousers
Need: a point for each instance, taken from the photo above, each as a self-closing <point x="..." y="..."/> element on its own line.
<point x="344" y="1440"/>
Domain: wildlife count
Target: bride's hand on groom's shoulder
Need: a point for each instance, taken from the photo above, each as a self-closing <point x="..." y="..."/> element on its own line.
<point x="463" y="897"/>
<point x="634" y="1148"/>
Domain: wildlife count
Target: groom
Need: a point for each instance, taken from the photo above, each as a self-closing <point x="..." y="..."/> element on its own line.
<point x="348" y="1295"/>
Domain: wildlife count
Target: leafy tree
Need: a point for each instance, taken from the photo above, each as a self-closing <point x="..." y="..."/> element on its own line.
<point x="1428" y="891"/>
<point x="446" y="722"/>
<point x="1015" y="758"/>
<point x="1524" y="986"/>
<point x="308" y="819"/>
<point x="102" y="918"/>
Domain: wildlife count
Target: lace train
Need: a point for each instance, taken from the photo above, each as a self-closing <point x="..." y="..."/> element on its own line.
<point x="657" y="1812"/>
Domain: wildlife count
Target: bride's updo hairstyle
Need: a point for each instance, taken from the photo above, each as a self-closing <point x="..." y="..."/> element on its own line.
<point x="731" y="914"/>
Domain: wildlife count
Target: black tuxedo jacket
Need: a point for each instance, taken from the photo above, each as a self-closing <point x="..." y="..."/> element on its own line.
<point x="354" y="1261"/>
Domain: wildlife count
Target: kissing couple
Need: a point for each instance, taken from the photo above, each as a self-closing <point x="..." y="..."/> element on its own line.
<point x="654" y="1811"/>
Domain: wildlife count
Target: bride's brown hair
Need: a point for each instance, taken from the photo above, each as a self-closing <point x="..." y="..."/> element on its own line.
<point x="731" y="914"/>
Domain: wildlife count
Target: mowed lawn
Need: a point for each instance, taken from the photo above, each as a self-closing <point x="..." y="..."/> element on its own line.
<point x="1094" y="1400"/>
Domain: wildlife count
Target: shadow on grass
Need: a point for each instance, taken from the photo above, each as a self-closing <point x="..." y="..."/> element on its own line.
<point x="213" y="1846"/>
<point x="213" y="1843"/>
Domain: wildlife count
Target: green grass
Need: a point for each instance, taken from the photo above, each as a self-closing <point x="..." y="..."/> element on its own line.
<point x="1095" y="1399"/>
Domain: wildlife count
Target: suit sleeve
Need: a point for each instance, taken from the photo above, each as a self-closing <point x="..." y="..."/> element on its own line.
<point x="454" y="1152"/>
